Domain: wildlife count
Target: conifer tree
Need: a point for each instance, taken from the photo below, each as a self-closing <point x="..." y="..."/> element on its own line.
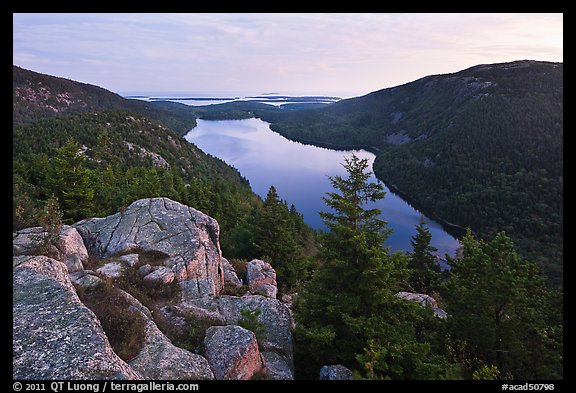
<point x="276" y="239"/>
<point x="50" y="218"/>
<point x="103" y="151"/>
<point x="501" y="310"/>
<point x="348" y="313"/>
<point x="70" y="182"/>
<point x="425" y="274"/>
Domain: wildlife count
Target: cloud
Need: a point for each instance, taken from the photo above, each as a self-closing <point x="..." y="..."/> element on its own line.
<point x="305" y="52"/>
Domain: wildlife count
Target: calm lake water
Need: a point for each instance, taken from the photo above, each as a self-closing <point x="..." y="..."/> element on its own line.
<point x="300" y="174"/>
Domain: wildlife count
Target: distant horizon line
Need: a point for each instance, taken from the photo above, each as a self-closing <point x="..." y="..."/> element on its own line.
<point x="225" y="95"/>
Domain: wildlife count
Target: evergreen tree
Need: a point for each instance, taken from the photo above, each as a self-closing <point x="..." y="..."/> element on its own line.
<point x="500" y="310"/>
<point x="103" y="151"/>
<point x="23" y="203"/>
<point x="276" y="239"/>
<point x="107" y="191"/>
<point x="70" y="182"/>
<point x="348" y="313"/>
<point x="425" y="275"/>
<point x="50" y="218"/>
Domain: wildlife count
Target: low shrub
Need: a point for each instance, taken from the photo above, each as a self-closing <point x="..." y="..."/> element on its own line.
<point x="250" y="322"/>
<point x="191" y="337"/>
<point x="240" y="267"/>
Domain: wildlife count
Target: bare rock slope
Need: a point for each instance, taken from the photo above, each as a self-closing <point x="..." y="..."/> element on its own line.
<point x="56" y="336"/>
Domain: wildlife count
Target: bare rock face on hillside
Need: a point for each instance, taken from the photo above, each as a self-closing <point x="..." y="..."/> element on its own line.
<point x="186" y="240"/>
<point x="54" y="335"/>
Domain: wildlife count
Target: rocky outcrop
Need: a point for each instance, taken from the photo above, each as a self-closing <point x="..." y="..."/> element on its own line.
<point x="159" y="359"/>
<point x="261" y="278"/>
<point x="85" y="279"/>
<point x="159" y="242"/>
<point x="277" y="366"/>
<point x="424" y="300"/>
<point x="335" y="373"/>
<point x="184" y="238"/>
<point x="51" y="324"/>
<point x="54" y="335"/>
<point x="232" y="352"/>
<point x="69" y="247"/>
<point x="276" y="322"/>
<point x="274" y="319"/>
<point x="129" y="260"/>
<point x="421" y="298"/>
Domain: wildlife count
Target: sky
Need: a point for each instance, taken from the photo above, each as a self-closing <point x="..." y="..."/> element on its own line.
<point x="242" y="53"/>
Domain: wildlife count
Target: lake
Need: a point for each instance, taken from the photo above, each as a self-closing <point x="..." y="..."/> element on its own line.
<point x="300" y="174"/>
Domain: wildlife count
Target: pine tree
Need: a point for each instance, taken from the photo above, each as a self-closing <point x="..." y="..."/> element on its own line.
<point x="103" y="151"/>
<point x="348" y="313"/>
<point x="501" y="310"/>
<point x="107" y="191"/>
<point x="70" y="182"/>
<point x="349" y="218"/>
<point x="50" y="218"/>
<point x="425" y="275"/>
<point x="276" y="239"/>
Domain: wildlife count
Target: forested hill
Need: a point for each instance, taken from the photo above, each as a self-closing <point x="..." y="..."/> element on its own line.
<point x="38" y="96"/>
<point x="482" y="148"/>
<point x="95" y="153"/>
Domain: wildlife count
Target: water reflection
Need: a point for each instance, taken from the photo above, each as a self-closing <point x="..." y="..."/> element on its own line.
<point x="300" y="174"/>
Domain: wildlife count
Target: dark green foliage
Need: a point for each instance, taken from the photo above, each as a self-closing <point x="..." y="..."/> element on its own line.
<point x="482" y="148"/>
<point x="425" y="275"/>
<point x="279" y="236"/>
<point x="116" y="169"/>
<point x="69" y="179"/>
<point x="490" y="373"/>
<point x="50" y="219"/>
<point x="348" y="313"/>
<point x="250" y="322"/>
<point x="349" y="217"/>
<point x="501" y="312"/>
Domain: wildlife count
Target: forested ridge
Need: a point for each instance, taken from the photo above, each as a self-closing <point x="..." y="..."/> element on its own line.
<point x="481" y="148"/>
